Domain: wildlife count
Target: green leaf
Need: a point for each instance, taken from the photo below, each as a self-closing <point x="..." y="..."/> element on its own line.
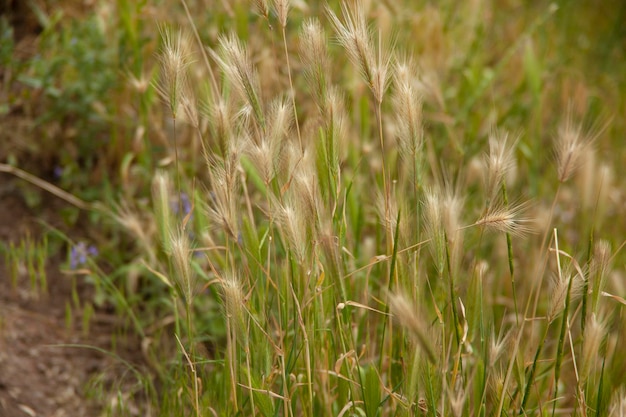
<point x="371" y="390"/>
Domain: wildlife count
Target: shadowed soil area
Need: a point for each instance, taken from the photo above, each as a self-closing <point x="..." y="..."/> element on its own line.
<point x="40" y="373"/>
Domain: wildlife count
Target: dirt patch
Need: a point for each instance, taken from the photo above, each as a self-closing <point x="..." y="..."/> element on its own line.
<point x="40" y="373"/>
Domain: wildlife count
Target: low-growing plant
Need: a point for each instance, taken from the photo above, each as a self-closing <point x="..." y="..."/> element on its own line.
<point x="28" y="258"/>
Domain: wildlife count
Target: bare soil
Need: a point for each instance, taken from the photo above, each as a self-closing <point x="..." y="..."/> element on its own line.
<point x="40" y="373"/>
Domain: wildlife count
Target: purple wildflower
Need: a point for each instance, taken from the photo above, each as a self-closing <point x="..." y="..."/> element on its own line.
<point x="185" y="204"/>
<point x="80" y="253"/>
<point x="58" y="172"/>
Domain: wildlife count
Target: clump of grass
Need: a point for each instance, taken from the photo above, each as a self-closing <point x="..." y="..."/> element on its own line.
<point x="322" y="184"/>
<point x="288" y="204"/>
<point x="28" y="259"/>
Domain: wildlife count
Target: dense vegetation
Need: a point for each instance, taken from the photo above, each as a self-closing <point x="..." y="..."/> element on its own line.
<point x="354" y="208"/>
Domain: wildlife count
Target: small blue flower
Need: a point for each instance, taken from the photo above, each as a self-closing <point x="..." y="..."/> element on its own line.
<point x="57" y="172"/>
<point x="80" y="253"/>
<point x="185" y="204"/>
<point x="184" y="198"/>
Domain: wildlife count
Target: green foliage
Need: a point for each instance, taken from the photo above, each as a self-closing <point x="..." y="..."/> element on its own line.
<point x="297" y="257"/>
<point x="28" y="259"/>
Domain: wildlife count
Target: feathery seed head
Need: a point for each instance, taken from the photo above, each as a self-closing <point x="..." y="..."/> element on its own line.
<point x="290" y="217"/>
<point x="433" y="223"/>
<point x="601" y="257"/>
<point x="595" y="330"/>
<point x="141" y="84"/>
<point x="408" y="316"/>
<point x="507" y="220"/>
<point x="443" y="223"/>
<point x="452" y="204"/>
<point x="180" y="253"/>
<point x="141" y="230"/>
<point x="175" y="59"/>
<point x="559" y="292"/>
<point x="314" y="56"/>
<point x="498" y="346"/>
<point x="222" y="207"/>
<point x="306" y="188"/>
<point x="282" y="9"/>
<point x="235" y="62"/>
<point x="570" y="147"/>
<point x="330" y="248"/>
<point x="262" y="8"/>
<point x="233" y="299"/>
<point x="353" y="34"/>
<point x="496" y="384"/>
<point x="221" y="114"/>
<point x="279" y="122"/>
<point x="189" y="105"/>
<point x="161" y="193"/>
<point x="407" y="105"/>
<point x="387" y="211"/>
<point x="263" y="157"/>
<point x="499" y="162"/>
<point x="594" y="180"/>
<point x="599" y="270"/>
<point x="617" y="408"/>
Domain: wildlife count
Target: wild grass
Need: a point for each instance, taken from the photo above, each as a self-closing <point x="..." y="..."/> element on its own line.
<point x="373" y="209"/>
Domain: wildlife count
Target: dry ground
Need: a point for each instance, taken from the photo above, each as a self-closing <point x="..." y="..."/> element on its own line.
<point x="38" y="377"/>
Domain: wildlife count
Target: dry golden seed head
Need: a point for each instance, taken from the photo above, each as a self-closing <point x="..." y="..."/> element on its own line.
<point x="175" y="59"/>
<point x="143" y="231"/>
<point x="599" y="270"/>
<point x="329" y="244"/>
<point x="380" y="74"/>
<point x="313" y="48"/>
<point x="280" y="119"/>
<point x="507" y="220"/>
<point x="571" y="145"/>
<point x="496" y="383"/>
<point x="557" y="298"/>
<point x="141" y="84"/>
<point x="407" y="105"/>
<point x="221" y="115"/>
<point x="497" y="346"/>
<point x="222" y="208"/>
<point x="180" y="253"/>
<point x="433" y="225"/>
<point x="602" y="256"/>
<point x="457" y="398"/>
<point x="409" y="317"/>
<point x="617" y="408"/>
<point x="262" y="8"/>
<point x="387" y="211"/>
<point x="234" y="299"/>
<point x="161" y="191"/>
<point x="499" y="162"/>
<point x="293" y="224"/>
<point x="595" y="330"/>
<point x="586" y="179"/>
<point x="161" y="195"/>
<point x="354" y="35"/>
<point x="189" y="104"/>
<point x="314" y="57"/>
<point x="282" y="9"/>
<point x="452" y="208"/>
<point x="559" y="292"/>
<point x="262" y="156"/>
<point x="235" y="62"/>
<point x="334" y="112"/>
<point x="605" y="184"/>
